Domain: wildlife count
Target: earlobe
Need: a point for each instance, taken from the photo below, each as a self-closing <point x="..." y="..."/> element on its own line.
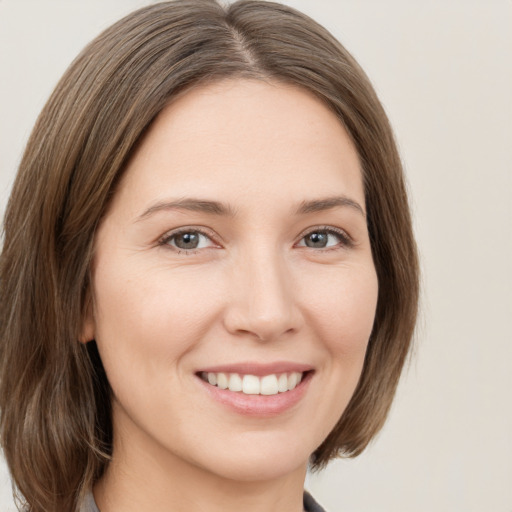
<point x="88" y="329"/>
<point x="87" y="333"/>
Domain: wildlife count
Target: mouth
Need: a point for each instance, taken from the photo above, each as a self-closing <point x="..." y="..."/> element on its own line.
<point x="257" y="390"/>
<point x="267" y="385"/>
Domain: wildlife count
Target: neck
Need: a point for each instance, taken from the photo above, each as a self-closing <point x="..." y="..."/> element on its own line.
<point x="141" y="477"/>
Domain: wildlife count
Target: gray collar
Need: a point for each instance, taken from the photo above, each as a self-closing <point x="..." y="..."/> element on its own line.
<point x="89" y="505"/>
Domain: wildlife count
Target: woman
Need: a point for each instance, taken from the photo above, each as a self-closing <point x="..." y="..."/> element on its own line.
<point x="208" y="279"/>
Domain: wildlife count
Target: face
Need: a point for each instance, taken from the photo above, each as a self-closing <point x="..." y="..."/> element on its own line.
<point x="233" y="283"/>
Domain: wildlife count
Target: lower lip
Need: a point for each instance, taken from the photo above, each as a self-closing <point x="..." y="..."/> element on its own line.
<point x="258" y="405"/>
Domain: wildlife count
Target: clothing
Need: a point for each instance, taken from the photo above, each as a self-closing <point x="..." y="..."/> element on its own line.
<point x="310" y="505"/>
<point x="89" y="505"/>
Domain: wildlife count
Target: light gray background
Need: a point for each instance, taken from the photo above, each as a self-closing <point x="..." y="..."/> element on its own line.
<point x="443" y="70"/>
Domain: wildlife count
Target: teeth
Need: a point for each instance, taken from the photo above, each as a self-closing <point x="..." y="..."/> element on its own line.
<point x="292" y="380"/>
<point x="282" y="383"/>
<point x="253" y="385"/>
<point x="269" y="385"/>
<point x="235" y="382"/>
<point x="222" y="380"/>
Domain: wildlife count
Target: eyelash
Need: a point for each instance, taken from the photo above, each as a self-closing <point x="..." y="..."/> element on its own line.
<point x="345" y="240"/>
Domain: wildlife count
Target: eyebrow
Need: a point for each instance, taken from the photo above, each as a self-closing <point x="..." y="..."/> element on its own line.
<point x="222" y="209"/>
<point x="328" y="203"/>
<point x="190" y="204"/>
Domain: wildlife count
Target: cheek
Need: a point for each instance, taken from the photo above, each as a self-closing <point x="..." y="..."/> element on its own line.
<point x="345" y="310"/>
<point x="146" y="323"/>
<point x="342" y="317"/>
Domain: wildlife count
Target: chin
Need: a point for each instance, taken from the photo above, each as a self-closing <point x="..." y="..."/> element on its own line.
<point x="259" y="460"/>
<point x="264" y="468"/>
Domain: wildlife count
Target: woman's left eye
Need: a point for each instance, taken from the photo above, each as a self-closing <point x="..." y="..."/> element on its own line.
<point x="189" y="240"/>
<point x="324" y="239"/>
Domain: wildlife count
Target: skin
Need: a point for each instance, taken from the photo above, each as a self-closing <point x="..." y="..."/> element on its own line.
<point x="254" y="290"/>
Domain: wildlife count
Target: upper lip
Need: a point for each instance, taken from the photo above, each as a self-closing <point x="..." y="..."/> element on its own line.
<point x="258" y="369"/>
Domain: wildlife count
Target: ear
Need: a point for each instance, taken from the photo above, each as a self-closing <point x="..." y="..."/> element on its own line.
<point x="88" y="327"/>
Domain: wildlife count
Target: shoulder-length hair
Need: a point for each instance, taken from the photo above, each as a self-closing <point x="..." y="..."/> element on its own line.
<point x="55" y="427"/>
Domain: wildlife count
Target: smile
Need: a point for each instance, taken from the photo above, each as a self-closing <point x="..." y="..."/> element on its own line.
<point x="271" y="384"/>
<point x="255" y="389"/>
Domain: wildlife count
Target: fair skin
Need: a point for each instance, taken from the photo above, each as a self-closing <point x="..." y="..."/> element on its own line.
<point x="260" y="266"/>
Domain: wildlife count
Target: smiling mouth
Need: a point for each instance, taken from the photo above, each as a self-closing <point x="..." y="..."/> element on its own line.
<point x="267" y="385"/>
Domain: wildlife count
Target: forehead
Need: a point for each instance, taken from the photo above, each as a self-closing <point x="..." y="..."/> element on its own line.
<point x="245" y="138"/>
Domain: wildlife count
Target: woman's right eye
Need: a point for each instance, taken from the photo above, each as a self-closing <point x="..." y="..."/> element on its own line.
<point x="189" y="240"/>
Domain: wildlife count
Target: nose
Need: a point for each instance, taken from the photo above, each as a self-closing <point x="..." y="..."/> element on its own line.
<point x="262" y="303"/>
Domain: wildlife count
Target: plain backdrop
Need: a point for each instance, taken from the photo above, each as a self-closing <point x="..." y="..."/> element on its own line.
<point x="443" y="70"/>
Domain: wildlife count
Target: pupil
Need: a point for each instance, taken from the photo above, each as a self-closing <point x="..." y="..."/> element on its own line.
<point x="187" y="241"/>
<point x="316" y="240"/>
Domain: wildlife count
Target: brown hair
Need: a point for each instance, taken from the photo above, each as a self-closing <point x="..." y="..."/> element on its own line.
<point x="56" y="426"/>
